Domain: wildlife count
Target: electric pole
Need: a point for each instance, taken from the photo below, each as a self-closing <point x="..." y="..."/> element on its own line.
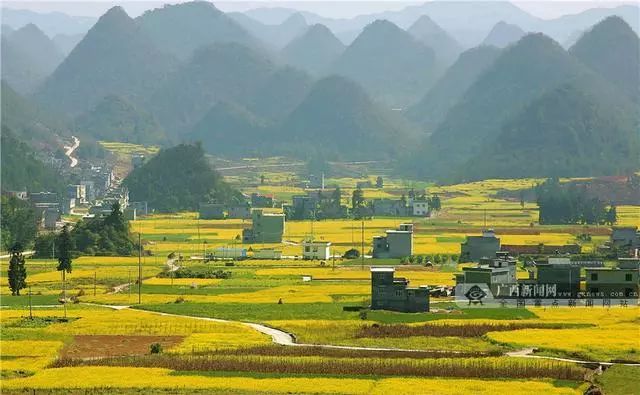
<point x="362" y="245"/>
<point x="139" y="268"/>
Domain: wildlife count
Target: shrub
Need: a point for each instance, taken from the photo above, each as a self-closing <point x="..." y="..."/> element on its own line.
<point x="156" y="348"/>
<point x="351" y="254"/>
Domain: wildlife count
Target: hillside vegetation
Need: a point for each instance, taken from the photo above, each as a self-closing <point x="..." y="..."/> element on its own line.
<point x="178" y="179"/>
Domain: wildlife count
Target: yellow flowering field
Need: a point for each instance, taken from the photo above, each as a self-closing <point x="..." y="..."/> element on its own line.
<point x="126" y="377"/>
<point x="615" y="335"/>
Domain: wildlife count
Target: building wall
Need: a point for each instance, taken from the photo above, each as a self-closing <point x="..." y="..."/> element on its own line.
<point x="265" y="228"/>
<point x="613" y="283"/>
<point x="420" y="208"/>
<point x="565" y="277"/>
<point x="400" y="244"/>
<point x="387" y="294"/>
<point x="476" y="247"/>
<point x="211" y="211"/>
<point x="316" y="251"/>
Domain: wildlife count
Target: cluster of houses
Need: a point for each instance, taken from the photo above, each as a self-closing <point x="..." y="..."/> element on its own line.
<point x="485" y="245"/>
<point x="552" y="277"/>
<point x="96" y="190"/>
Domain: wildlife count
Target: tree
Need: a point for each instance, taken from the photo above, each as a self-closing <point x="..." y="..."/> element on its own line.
<point x="434" y="203"/>
<point x="379" y="182"/>
<point x="17" y="270"/>
<point x="357" y="198"/>
<point x="612" y="215"/>
<point x="64" y="248"/>
<point x="262" y="179"/>
<point x="17" y="221"/>
<point x="336" y="196"/>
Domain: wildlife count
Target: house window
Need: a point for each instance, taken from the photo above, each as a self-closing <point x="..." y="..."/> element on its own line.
<point x="399" y="293"/>
<point x="594" y="276"/>
<point x="307" y="249"/>
<point x="628" y="277"/>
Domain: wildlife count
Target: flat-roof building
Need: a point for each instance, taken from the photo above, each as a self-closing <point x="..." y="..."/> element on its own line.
<point x="265" y="228"/>
<point x="396" y="244"/>
<point x="316" y="250"/>
<point x="477" y="247"/>
<point x="389" y="293"/>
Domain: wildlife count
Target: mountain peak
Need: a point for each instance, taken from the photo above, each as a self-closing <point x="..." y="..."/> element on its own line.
<point x="295" y="19"/>
<point x="314" y="50"/>
<point x="433" y="36"/>
<point x="612" y="49"/>
<point x="381" y="26"/>
<point x="115" y="13"/>
<point x="503" y="34"/>
<point x="30" y="29"/>
<point x="424" y="24"/>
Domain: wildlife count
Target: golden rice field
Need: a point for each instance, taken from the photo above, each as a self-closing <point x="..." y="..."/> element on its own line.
<point x="616" y="335"/>
<point x="116" y="377"/>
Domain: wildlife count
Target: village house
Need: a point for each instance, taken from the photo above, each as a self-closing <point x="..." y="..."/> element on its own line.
<point x="477" y="247"/>
<point x="239" y="211"/>
<point x="561" y="274"/>
<point x="615" y="283"/>
<point x="490" y="271"/>
<point x="395" y="244"/>
<point x="419" y="207"/>
<point x="389" y="293"/>
<point x="211" y="211"/>
<point x="261" y="201"/>
<point x="389" y="207"/>
<point x="627" y="237"/>
<point x="265" y="228"/>
<point x="77" y="192"/>
<point x="312" y="250"/>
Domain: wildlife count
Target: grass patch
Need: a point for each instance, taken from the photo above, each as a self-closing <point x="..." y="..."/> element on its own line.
<point x="257" y="312"/>
<point x="23" y="300"/>
<point x="619" y="379"/>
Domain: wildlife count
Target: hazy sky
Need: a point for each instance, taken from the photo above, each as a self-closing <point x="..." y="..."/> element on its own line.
<point x="337" y="9"/>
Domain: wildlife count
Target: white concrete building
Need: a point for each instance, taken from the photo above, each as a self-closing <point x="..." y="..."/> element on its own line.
<point x="316" y="250"/>
<point x="420" y="208"/>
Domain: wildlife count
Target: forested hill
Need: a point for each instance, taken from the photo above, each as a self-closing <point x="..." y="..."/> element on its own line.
<point x="22" y="170"/>
<point x="177" y="179"/>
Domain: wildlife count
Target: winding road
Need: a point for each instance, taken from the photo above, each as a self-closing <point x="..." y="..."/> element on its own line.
<point x="70" y="149"/>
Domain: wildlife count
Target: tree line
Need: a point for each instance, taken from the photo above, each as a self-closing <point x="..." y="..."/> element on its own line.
<point x="559" y="204"/>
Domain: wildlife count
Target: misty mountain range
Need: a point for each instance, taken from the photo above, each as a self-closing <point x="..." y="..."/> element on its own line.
<point x="419" y="86"/>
